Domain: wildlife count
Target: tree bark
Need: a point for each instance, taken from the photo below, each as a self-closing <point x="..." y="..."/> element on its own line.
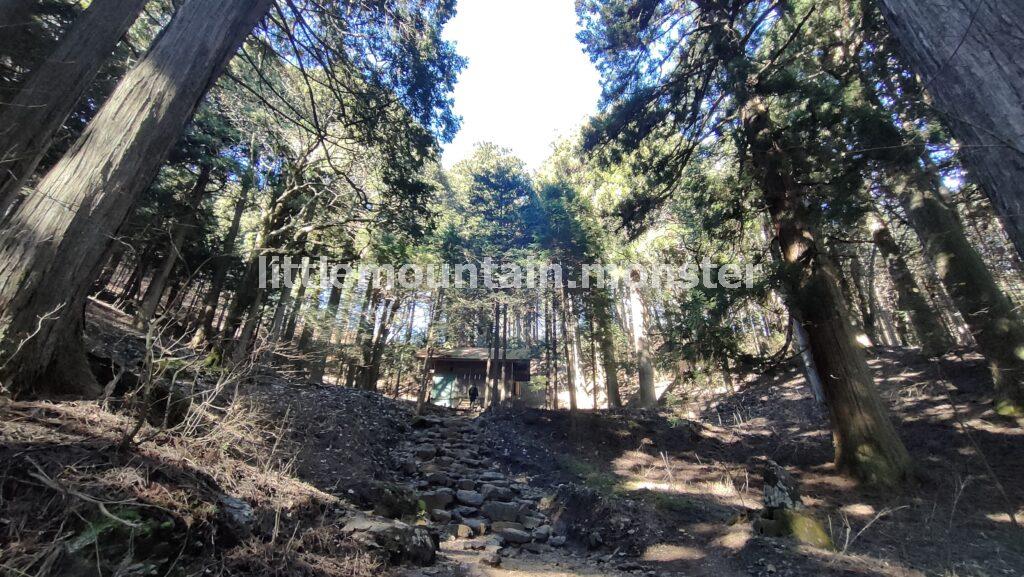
<point x="54" y="243"/>
<point x="968" y="56"/>
<point x="29" y="122"/>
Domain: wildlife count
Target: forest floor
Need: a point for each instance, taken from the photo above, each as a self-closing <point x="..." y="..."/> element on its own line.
<point x="291" y="479"/>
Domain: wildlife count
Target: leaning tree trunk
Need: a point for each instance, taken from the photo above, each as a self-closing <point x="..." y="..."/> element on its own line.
<point x="865" y="441"/>
<point x="54" y="243"/>
<point x="29" y="122"/>
<point x="968" y="55"/>
<point x="931" y="333"/>
<point x="994" y="323"/>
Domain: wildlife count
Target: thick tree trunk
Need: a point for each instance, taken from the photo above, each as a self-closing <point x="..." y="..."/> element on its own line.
<point x="865" y="441"/>
<point x="29" y="122"/>
<point x="996" y="326"/>
<point x="642" y="348"/>
<point x="968" y="55"/>
<point x="925" y="321"/>
<point x="54" y="243"/>
<point x="180" y="233"/>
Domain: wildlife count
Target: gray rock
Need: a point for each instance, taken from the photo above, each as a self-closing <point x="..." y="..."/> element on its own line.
<point x="479" y="526"/>
<point x="471" y="498"/>
<point x="403" y="543"/>
<point x="514" y="536"/>
<point x="541" y="533"/>
<point x="491" y="559"/>
<point x="499" y="526"/>
<point x="426" y="452"/>
<point x="237" y="517"/>
<point x="501" y="511"/>
<point x="495" y="493"/>
<point x="441" y="516"/>
<point x="491" y="476"/>
<point x="439" y="478"/>
<point x="557" y="541"/>
<point x="463" y="531"/>
<point x="438" y="499"/>
<point x="466" y="484"/>
<point x="531" y="521"/>
<point x="466" y="511"/>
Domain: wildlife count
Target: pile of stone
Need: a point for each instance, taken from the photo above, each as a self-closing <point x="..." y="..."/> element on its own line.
<point x="463" y="492"/>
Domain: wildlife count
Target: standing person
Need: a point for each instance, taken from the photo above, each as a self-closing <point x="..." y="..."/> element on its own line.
<point x="473" y="394"/>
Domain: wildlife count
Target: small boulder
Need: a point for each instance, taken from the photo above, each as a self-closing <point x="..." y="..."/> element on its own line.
<point x="531" y="521"/>
<point x="491" y="476"/>
<point x="466" y="511"/>
<point x="515" y="536"/>
<point x="463" y="531"/>
<point x="494" y="493"/>
<point x="541" y="533"/>
<point x="466" y="484"/>
<point x="479" y="526"/>
<point x="499" y="526"/>
<point x="439" y="478"/>
<point x="425" y="452"/>
<point x="236" y="516"/>
<point x="438" y="499"/>
<point x="501" y="511"/>
<point x="471" y="498"/>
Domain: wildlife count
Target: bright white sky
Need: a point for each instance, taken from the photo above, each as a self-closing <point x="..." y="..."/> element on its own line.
<point x="527" y="81"/>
